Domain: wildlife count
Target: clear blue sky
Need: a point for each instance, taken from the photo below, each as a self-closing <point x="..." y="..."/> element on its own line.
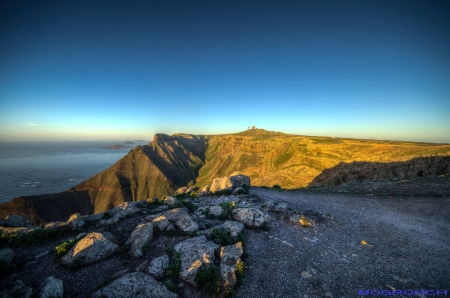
<point x="127" y="69"/>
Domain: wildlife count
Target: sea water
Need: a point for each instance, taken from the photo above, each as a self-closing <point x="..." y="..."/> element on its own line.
<point x="32" y="168"/>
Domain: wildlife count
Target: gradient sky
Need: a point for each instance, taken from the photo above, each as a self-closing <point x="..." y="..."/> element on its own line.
<point x="127" y="69"/>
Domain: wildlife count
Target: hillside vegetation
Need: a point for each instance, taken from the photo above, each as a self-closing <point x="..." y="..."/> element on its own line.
<point x="268" y="158"/>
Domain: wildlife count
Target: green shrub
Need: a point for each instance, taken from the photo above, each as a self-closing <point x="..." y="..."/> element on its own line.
<point x="171" y="286"/>
<point x="229" y="293"/>
<point x="64" y="247"/>
<point x="276" y="186"/>
<point x="185" y="203"/>
<point x="208" y="280"/>
<point x="240" y="273"/>
<point x="225" y="192"/>
<point x="246" y="188"/>
<point x="241" y="192"/>
<point x="228" y="207"/>
<point x="107" y="215"/>
<point x="153" y="201"/>
<point x="174" y="268"/>
<point x="221" y="237"/>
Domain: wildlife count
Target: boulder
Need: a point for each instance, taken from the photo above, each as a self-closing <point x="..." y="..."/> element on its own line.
<point x="141" y="235"/>
<point x="136" y="285"/>
<point x="51" y="288"/>
<point x="281" y="207"/>
<point x="203" y="191"/>
<point x="181" y="190"/>
<point x="178" y="217"/>
<point x="93" y="247"/>
<point x="6" y="255"/>
<point x="238" y="180"/>
<point x="75" y="221"/>
<point x="54" y="225"/>
<point x="217" y="211"/>
<point x="18" y="289"/>
<point x="250" y="217"/>
<point x="170" y="201"/>
<point x="233" y="227"/>
<point x="268" y="205"/>
<point x="94" y="217"/>
<point x="219" y="184"/>
<point x="17" y="221"/>
<point x="230" y="255"/>
<point x="157" y="266"/>
<point x="195" y="253"/>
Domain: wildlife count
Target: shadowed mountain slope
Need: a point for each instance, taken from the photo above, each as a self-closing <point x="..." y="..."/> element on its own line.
<point x="268" y="158"/>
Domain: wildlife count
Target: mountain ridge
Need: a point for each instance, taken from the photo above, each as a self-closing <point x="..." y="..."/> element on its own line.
<point x="268" y="158"/>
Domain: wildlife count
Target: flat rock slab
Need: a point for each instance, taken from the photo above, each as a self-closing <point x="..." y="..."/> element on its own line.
<point x="178" y="217"/>
<point x="136" y="285"/>
<point x="93" y="247"/>
<point x="195" y="253"/>
<point x="251" y="217"/>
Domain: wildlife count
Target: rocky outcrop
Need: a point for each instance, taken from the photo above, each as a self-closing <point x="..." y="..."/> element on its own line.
<point x="141" y="235"/>
<point x="170" y="201"/>
<point x="219" y="184"/>
<point x="93" y="247"/>
<point x="203" y="191"/>
<point x="15" y="220"/>
<point x="239" y="180"/>
<point x="230" y="256"/>
<point x="51" y="288"/>
<point x="250" y="217"/>
<point x="6" y="255"/>
<point x="178" y="217"/>
<point x="136" y="285"/>
<point x="75" y="221"/>
<point x="157" y="266"/>
<point x="195" y="253"/>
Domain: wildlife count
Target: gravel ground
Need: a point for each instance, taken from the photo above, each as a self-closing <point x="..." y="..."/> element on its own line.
<point x="408" y="246"/>
<point x="407" y="235"/>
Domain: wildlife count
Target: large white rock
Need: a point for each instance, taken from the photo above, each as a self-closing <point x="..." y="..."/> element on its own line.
<point x="195" y="253"/>
<point x="15" y="220"/>
<point x="93" y="247"/>
<point x="230" y="255"/>
<point x="250" y="217"/>
<point x="281" y="207"/>
<point x="216" y="211"/>
<point x="136" y="285"/>
<point x="75" y="221"/>
<point x="141" y="235"/>
<point x="238" y="180"/>
<point x="170" y="201"/>
<point x="234" y="227"/>
<point x="51" y="288"/>
<point x="157" y="266"/>
<point x="221" y="183"/>
<point x="178" y="217"/>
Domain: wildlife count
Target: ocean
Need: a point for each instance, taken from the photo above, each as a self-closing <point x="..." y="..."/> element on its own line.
<point x="32" y="168"/>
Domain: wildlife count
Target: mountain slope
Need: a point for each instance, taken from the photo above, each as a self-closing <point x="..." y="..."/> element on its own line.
<point x="268" y="158"/>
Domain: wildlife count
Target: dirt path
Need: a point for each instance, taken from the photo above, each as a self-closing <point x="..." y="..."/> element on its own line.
<point x="408" y="247"/>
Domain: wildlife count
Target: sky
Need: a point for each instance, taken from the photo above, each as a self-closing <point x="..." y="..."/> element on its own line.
<point x="111" y="70"/>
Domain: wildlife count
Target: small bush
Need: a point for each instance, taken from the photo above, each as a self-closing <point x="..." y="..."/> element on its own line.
<point x="171" y="286"/>
<point x="174" y="268"/>
<point x="229" y="293"/>
<point x="241" y="192"/>
<point x="240" y="273"/>
<point x="225" y="192"/>
<point x="64" y="247"/>
<point x="228" y="207"/>
<point x="208" y="280"/>
<point x="221" y="237"/>
<point x="185" y="203"/>
<point x="276" y="186"/>
<point x="241" y="238"/>
<point x="246" y="188"/>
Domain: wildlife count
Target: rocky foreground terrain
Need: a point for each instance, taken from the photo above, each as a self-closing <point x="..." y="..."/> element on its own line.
<point x="331" y="241"/>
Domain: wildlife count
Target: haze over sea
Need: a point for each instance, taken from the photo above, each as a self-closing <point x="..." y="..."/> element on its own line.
<point x="32" y="168"/>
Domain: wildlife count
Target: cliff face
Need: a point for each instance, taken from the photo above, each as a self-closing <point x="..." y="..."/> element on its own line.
<point x="268" y="158"/>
